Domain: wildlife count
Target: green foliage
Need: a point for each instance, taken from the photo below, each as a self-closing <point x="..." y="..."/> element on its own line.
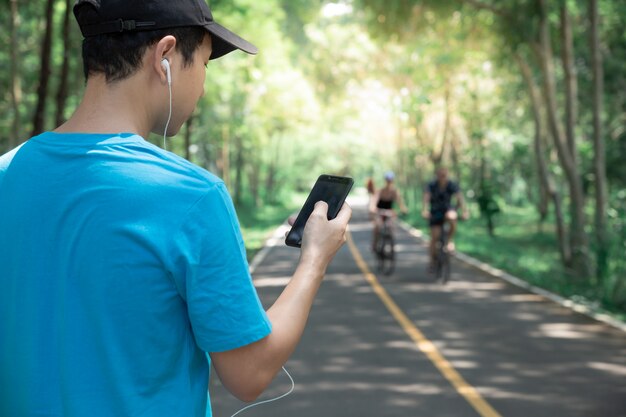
<point x="258" y="223"/>
<point x="358" y="87"/>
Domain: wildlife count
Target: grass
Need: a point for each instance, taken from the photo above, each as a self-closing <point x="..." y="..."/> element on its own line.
<point x="258" y="223"/>
<point x="522" y="249"/>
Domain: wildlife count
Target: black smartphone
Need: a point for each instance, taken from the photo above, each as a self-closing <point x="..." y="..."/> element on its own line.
<point x="329" y="188"/>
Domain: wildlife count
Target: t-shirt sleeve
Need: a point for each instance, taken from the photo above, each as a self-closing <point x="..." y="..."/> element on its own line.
<point x="213" y="277"/>
<point x="454" y="188"/>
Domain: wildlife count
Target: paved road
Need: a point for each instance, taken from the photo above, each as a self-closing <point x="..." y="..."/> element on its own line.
<point x="476" y="347"/>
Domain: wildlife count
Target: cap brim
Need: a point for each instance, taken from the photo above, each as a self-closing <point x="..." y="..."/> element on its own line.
<point x="225" y="41"/>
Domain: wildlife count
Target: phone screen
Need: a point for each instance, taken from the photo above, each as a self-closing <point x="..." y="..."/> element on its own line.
<point x="329" y="188"/>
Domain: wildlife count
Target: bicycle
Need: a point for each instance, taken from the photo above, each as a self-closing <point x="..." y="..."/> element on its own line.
<point x="385" y="247"/>
<point x="442" y="256"/>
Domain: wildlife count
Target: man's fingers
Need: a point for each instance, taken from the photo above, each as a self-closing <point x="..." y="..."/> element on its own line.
<point x="345" y="213"/>
<point x="321" y="208"/>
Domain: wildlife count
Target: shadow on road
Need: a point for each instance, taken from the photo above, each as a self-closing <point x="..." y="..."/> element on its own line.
<point x="525" y="355"/>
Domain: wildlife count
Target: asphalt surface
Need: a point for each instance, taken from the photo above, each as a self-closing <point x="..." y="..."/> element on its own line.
<point x="496" y="350"/>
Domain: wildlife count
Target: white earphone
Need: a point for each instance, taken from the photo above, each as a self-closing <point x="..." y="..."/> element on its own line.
<point x="165" y="64"/>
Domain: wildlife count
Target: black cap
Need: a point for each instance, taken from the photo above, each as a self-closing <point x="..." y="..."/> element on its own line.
<point x="98" y="17"/>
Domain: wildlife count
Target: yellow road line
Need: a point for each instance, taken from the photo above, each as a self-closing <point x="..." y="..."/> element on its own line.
<point x="426" y="346"/>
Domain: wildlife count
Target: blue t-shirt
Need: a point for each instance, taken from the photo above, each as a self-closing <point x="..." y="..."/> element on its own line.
<point x="120" y="266"/>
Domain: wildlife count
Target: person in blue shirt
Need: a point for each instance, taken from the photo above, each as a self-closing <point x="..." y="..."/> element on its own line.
<point x="122" y="266"/>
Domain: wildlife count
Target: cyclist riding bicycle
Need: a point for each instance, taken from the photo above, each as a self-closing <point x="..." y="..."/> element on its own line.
<point x="438" y="209"/>
<point x="382" y="205"/>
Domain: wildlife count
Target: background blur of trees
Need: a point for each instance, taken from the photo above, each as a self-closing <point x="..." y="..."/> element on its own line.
<point x="524" y="101"/>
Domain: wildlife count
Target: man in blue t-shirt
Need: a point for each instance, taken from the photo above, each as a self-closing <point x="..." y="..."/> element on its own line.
<point x="438" y="208"/>
<point x="122" y="266"/>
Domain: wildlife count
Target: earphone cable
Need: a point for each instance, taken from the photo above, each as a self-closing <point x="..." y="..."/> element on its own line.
<point x="293" y="385"/>
<point x="169" y="88"/>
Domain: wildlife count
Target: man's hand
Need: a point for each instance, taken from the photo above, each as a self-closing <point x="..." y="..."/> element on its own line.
<point x="465" y="215"/>
<point x="322" y="237"/>
<point x="426" y="214"/>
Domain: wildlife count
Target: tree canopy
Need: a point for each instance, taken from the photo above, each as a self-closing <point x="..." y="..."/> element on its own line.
<point x="524" y="101"/>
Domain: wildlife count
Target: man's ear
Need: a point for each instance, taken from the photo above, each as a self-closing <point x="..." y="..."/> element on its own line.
<point x="164" y="49"/>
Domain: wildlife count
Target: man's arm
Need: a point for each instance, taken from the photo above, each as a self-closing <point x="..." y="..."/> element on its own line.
<point x="426" y="204"/>
<point x="460" y="201"/>
<point x="401" y="205"/>
<point x="373" y="202"/>
<point x="248" y="370"/>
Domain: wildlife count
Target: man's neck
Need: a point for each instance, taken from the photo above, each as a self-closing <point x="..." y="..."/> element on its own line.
<point x="110" y="108"/>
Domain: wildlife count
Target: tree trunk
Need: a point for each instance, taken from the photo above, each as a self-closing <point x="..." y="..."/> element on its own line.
<point x="16" y="88"/>
<point x="269" y="183"/>
<point x="543" y="205"/>
<point x="440" y="158"/>
<point x="483" y="173"/>
<point x="547" y="182"/>
<point x="239" y="161"/>
<point x="579" y="245"/>
<point x="274" y="149"/>
<point x="63" y="83"/>
<point x="454" y="158"/>
<point x="254" y="181"/>
<point x="44" y="73"/>
<point x="225" y="158"/>
<point x="571" y="84"/>
<point x="490" y="227"/>
<point x="579" y="240"/>
<point x="599" y="161"/>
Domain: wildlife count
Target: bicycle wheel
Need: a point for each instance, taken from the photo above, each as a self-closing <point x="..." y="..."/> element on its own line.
<point x="445" y="267"/>
<point x="445" y="255"/>
<point x="388" y="256"/>
<point x="442" y="263"/>
<point x="438" y="267"/>
<point x="379" y="250"/>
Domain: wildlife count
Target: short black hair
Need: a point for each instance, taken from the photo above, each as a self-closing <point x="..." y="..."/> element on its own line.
<point x="119" y="55"/>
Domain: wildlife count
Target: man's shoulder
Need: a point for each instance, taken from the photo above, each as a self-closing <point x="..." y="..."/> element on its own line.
<point x="171" y="168"/>
<point x="453" y="186"/>
<point x="195" y="171"/>
<point x="149" y="170"/>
